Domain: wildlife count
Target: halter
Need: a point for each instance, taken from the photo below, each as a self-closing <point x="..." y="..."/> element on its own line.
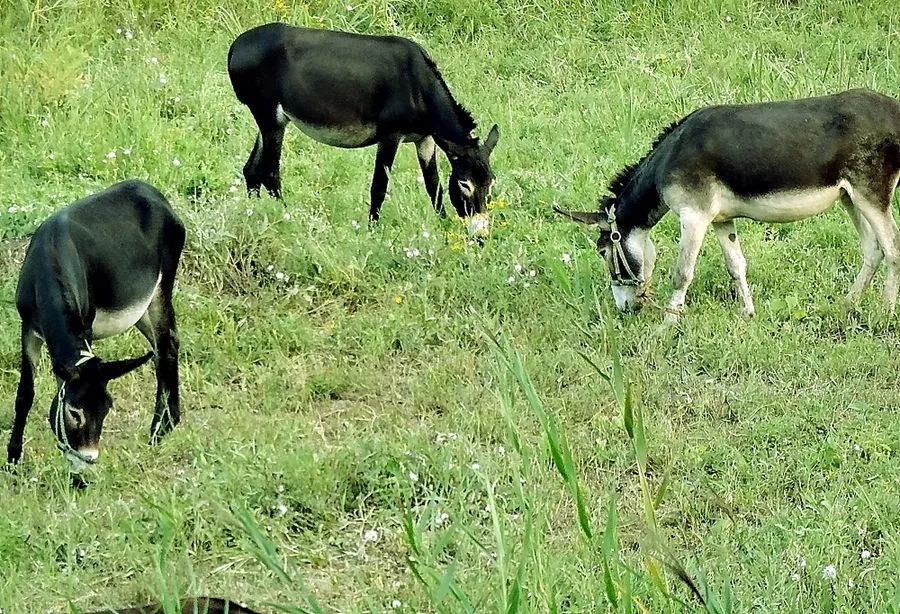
<point x="62" y="439"/>
<point x="618" y="255"/>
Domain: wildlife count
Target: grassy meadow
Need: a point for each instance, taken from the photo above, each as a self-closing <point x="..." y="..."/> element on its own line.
<point x="397" y="420"/>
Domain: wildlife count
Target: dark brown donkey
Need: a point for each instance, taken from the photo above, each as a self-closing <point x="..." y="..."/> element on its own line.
<point x="94" y="269"/>
<point x="770" y="161"/>
<point x="203" y="605"/>
<point x="353" y="90"/>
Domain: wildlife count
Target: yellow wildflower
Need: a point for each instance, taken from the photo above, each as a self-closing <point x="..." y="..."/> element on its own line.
<point x="398" y="299"/>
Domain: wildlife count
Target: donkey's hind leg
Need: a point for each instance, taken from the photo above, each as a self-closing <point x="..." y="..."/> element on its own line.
<point x="877" y="212"/>
<point x="158" y="326"/>
<point x="263" y="167"/>
<point x="736" y="263"/>
<point x="384" y="161"/>
<point x="31" y="347"/>
<point x="871" y="252"/>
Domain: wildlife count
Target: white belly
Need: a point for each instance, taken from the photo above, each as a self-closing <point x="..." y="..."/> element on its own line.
<point x="351" y="135"/>
<point x="788" y="206"/>
<point x="109" y="323"/>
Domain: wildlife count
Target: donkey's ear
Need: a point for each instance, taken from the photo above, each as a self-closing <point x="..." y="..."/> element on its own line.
<point x="118" y="368"/>
<point x="591" y="218"/>
<point x="491" y="141"/>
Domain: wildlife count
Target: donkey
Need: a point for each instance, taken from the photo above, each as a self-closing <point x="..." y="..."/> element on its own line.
<point x="202" y="605"/>
<point x="771" y="162"/>
<point x="94" y="269"/>
<point x="353" y="90"/>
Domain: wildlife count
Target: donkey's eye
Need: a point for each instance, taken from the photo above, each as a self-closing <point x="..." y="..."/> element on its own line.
<point x="75" y="416"/>
<point x="466" y="187"/>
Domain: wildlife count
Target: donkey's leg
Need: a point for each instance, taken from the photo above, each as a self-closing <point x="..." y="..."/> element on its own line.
<point x="878" y="214"/>
<point x="264" y="165"/>
<point x="693" y="228"/>
<point x="871" y="252"/>
<point x="250" y="172"/>
<point x="384" y="160"/>
<point x="427" y="154"/>
<point x="158" y="326"/>
<point x="31" y="347"/>
<point x="737" y="265"/>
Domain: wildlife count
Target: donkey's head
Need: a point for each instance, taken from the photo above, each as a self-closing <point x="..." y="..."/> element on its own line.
<point x="471" y="176"/>
<point x="81" y="405"/>
<point x="628" y="251"/>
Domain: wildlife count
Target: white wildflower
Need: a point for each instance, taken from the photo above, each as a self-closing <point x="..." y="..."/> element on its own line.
<point x="532" y="273"/>
<point x="282" y="509"/>
<point x="511" y="279"/>
<point x="441" y="518"/>
<point x="355" y="224"/>
<point x="279" y="276"/>
<point x="127" y="151"/>
<point x="426" y="234"/>
<point x="176" y="162"/>
<point x="162" y="79"/>
<point x="566" y="258"/>
<point x="829" y="573"/>
<point x="865" y="555"/>
<point x="517" y="267"/>
<point x="370" y="536"/>
<point x="111" y="155"/>
<point x="395" y="604"/>
<point x="850" y="583"/>
<point x="129" y="35"/>
<point x="232" y="189"/>
<point x="728" y="18"/>
<point x="476" y="467"/>
<point x="44" y="122"/>
<point x="271" y="268"/>
<point x="413" y="476"/>
<point x="286" y="217"/>
<point x="153" y="60"/>
<point x="795" y="577"/>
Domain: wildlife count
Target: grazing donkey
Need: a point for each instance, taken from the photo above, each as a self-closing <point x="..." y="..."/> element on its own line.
<point x="94" y="269"/>
<point x="202" y="605"/>
<point x="770" y="162"/>
<point x="353" y="90"/>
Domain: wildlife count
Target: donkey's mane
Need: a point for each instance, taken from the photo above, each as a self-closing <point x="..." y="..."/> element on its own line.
<point x="621" y="180"/>
<point x="462" y="114"/>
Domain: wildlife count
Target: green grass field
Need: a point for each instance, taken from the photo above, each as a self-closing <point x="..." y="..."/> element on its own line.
<point x="353" y="438"/>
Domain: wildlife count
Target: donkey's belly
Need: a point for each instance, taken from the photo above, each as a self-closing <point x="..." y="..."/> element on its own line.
<point x="348" y="135"/>
<point x="109" y="323"/>
<point x="787" y="206"/>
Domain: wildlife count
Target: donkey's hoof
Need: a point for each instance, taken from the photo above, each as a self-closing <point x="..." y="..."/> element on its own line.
<point x="671" y="318"/>
<point x="748" y="314"/>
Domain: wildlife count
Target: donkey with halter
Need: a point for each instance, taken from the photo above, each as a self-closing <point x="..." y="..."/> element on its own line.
<point x="94" y="269"/>
<point x="770" y="162"/>
<point x="353" y="90"/>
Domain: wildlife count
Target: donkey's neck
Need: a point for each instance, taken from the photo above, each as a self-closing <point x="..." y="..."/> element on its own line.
<point x="639" y="204"/>
<point x="61" y="323"/>
<point x="450" y="121"/>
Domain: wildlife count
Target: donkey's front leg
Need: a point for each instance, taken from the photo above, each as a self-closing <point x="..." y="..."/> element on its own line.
<point x="693" y="228"/>
<point x="31" y="347"/>
<point x="384" y="160"/>
<point x="736" y="264"/>
<point x="427" y="154"/>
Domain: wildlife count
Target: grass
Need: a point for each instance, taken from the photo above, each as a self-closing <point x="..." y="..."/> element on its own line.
<point x="370" y="431"/>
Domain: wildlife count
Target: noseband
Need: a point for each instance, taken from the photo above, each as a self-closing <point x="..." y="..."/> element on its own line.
<point x="619" y="260"/>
